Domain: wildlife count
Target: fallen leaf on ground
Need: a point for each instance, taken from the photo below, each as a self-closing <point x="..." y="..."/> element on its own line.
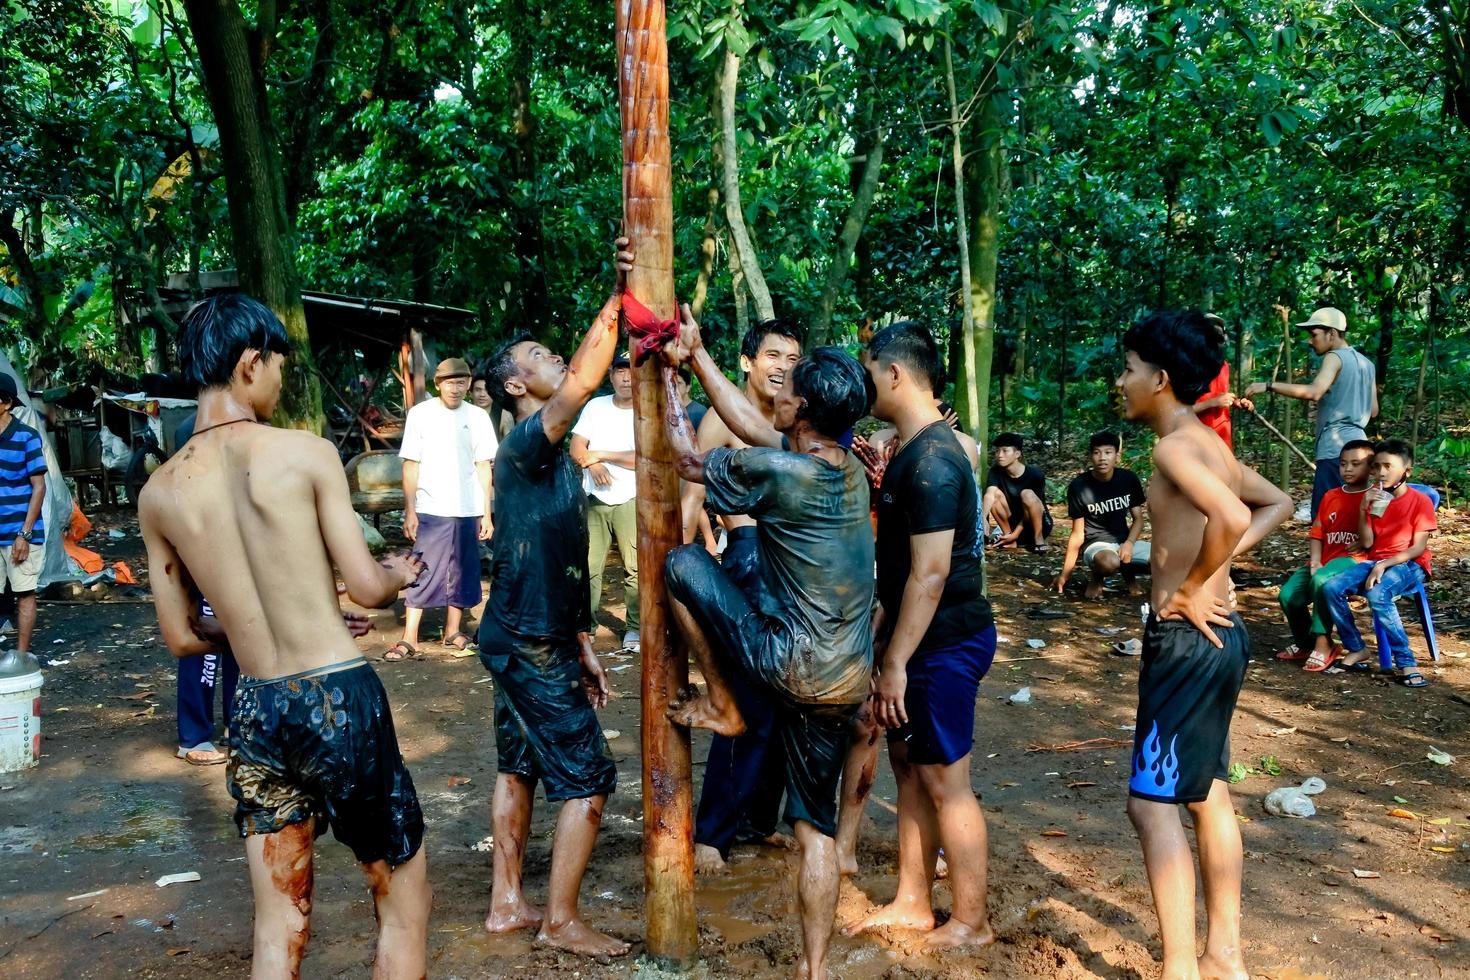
<point x="1053" y="833"/>
<point x="1434" y="934"/>
<point x="141" y="695"/>
<point x="179" y="951"/>
<point x="1441" y="821"/>
<point x="1360" y="873"/>
<point x="1403" y="814"/>
<point x="1442" y="850"/>
<point x="1079" y="785"/>
<point x="455" y="781"/>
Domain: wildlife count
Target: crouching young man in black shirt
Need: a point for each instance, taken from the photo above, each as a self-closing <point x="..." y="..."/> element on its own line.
<point x="935" y="640"/>
<point x="808" y="647"/>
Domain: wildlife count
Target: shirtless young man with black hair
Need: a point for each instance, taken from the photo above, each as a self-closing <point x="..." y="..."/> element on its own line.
<point x="1205" y="508"/>
<point x="255" y="518"/>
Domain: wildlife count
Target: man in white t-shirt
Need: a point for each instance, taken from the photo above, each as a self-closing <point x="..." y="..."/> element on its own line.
<point x="602" y="444"/>
<point x="448" y="445"/>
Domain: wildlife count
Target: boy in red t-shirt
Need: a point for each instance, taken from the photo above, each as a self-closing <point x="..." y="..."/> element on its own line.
<point x="1213" y="407"/>
<point x="1334" y="549"/>
<point x="1396" y="523"/>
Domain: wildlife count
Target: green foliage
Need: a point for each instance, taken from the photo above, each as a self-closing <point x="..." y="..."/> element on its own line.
<point x="1233" y="157"/>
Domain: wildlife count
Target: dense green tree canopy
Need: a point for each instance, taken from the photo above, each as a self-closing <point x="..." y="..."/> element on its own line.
<point x="1236" y="157"/>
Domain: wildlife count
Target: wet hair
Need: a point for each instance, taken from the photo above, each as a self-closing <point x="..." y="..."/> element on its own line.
<point x="1396" y="447"/>
<point x="216" y="331"/>
<point x="1105" y="439"/>
<point x="502" y="367"/>
<point x="1186" y="344"/>
<point x="686" y="375"/>
<point x="837" y="390"/>
<point x="1358" y="444"/>
<point x="1005" y="439"/>
<point x="912" y="345"/>
<point x="750" y="344"/>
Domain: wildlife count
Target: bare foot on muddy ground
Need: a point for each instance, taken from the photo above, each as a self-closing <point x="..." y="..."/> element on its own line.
<point x="576" y="936"/>
<point x="694" y="710"/>
<point x="1222" y="968"/>
<point x="707" y="861"/>
<point x="954" y="934"/>
<point x="894" y="915"/>
<point x="784" y="841"/>
<point x="512" y="917"/>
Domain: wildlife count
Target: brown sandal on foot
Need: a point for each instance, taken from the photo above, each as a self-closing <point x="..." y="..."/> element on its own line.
<point x="402" y="650"/>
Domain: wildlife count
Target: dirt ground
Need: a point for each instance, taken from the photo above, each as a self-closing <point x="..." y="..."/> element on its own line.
<point x="1353" y="892"/>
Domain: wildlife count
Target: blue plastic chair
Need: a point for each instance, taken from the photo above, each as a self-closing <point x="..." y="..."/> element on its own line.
<point x="1421" y="600"/>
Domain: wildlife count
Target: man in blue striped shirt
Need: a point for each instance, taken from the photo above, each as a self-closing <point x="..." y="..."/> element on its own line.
<point x="22" y="532"/>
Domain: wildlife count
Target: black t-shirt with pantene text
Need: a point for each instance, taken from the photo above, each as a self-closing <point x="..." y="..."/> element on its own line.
<point x="927" y="487"/>
<point x="539" y="572"/>
<point x="1104" y="507"/>
<point x="816" y="560"/>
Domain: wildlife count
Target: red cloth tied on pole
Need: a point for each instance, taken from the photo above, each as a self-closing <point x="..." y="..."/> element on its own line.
<point x="645" y="329"/>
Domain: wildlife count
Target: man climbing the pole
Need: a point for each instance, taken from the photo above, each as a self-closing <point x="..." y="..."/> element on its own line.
<point x="1205" y="508"/>
<point x="807" y="645"/>
<point x="1344" y="389"/>
<point x="743" y="775"/>
<point x="535" y="639"/>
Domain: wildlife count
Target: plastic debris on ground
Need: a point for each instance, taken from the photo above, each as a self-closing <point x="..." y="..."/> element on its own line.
<point x="1295" y="801"/>
<point x="1023" y="696"/>
<point x="177" y="879"/>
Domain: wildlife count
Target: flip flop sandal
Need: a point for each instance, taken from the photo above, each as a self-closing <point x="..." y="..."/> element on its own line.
<point x="402" y="650"/>
<point x="1316" y="664"/>
<point x="203" y="754"/>
<point x="1293" y="652"/>
<point x="1361" y="667"/>
<point x="467" y="648"/>
<point x="1413" y="679"/>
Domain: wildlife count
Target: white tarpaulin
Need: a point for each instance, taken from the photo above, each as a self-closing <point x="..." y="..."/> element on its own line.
<point x="57" y="510"/>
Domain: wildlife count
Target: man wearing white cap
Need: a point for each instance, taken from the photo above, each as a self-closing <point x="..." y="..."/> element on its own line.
<point x="1344" y="389"/>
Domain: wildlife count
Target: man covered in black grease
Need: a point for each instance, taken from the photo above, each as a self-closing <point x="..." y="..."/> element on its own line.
<point x="534" y="639"/>
<point x="809" y="644"/>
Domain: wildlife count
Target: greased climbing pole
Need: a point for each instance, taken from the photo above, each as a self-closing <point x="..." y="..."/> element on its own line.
<point x="648" y="221"/>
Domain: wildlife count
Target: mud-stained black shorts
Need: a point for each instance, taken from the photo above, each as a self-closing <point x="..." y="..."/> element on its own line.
<point x="321" y="744"/>
<point x="1187" y="688"/>
<point x="545" y="729"/>
<point x="814" y="737"/>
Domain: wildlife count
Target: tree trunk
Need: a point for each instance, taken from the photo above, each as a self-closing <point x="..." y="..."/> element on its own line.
<point x="708" y="248"/>
<point x="230" y="58"/>
<point x="985" y="183"/>
<point x="648" y="220"/>
<point x="1387" y="300"/>
<point x="847" y="240"/>
<point x="1428" y="357"/>
<point x="755" y="281"/>
<point x="530" y="296"/>
<point x="1286" y="420"/>
<point x="967" y="392"/>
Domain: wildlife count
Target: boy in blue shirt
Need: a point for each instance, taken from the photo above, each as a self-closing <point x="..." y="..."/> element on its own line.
<point x="22" y="531"/>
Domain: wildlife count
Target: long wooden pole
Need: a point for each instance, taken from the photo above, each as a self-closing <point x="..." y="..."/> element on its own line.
<point x="648" y="221"/>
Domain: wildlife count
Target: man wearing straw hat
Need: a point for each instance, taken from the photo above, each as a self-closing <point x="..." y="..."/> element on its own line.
<point x="1344" y="390"/>
<point x="448" y="445"/>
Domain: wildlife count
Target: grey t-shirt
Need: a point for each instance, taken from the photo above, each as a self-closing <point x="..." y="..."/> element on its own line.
<point x="1348" y="404"/>
<point x="816" y="559"/>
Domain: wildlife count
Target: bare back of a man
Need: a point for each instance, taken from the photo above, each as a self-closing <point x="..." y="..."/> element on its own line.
<point x="253" y="519"/>
<point x="223" y="507"/>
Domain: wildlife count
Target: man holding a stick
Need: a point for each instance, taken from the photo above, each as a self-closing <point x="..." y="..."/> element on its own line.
<point x="1344" y="389"/>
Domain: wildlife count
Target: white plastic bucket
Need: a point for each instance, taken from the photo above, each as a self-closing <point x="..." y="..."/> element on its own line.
<point x="20" y="721"/>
